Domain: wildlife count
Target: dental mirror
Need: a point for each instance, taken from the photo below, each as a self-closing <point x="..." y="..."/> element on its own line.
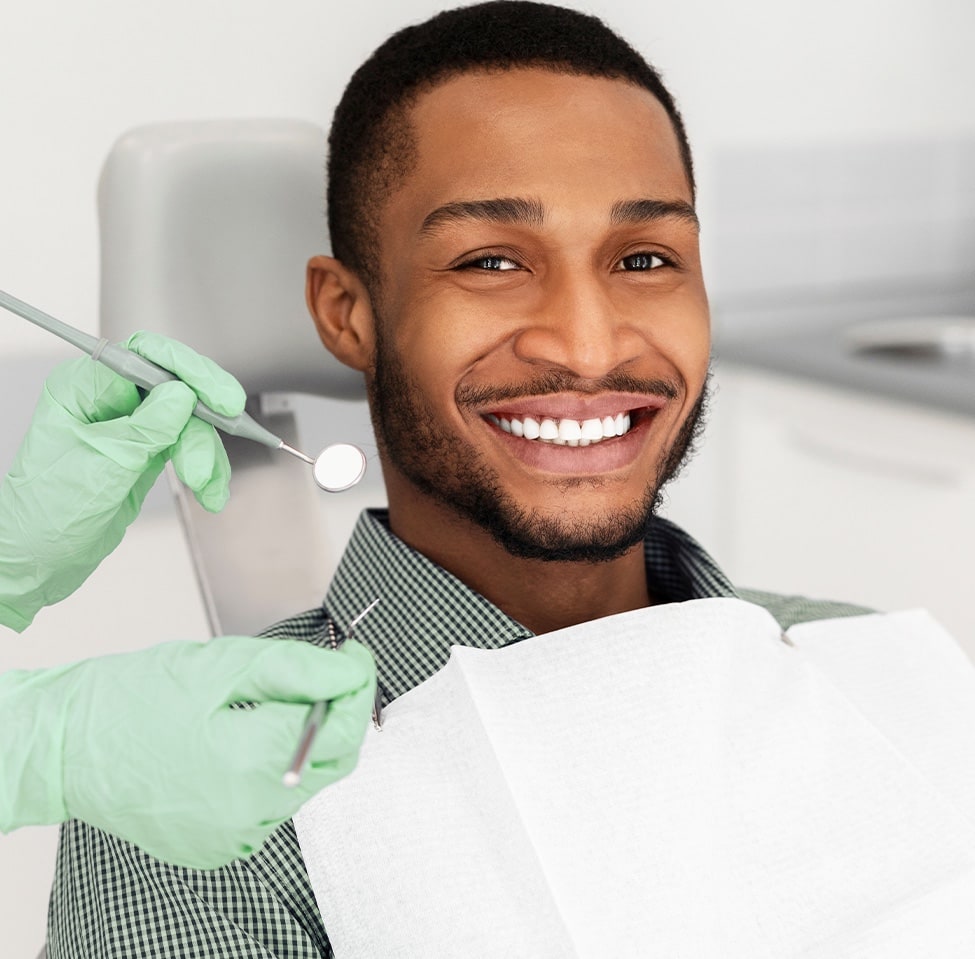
<point x="339" y="467"/>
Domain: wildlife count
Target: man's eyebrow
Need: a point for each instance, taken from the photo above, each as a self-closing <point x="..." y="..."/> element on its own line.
<point x="645" y="211"/>
<point x="499" y="210"/>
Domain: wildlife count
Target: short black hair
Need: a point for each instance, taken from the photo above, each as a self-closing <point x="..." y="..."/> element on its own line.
<point x="371" y="143"/>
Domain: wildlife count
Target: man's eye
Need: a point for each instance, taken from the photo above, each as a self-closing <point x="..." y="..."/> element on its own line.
<point x="642" y="261"/>
<point x="498" y="263"/>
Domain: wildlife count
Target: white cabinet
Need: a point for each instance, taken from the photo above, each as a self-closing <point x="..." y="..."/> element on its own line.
<point x="841" y="495"/>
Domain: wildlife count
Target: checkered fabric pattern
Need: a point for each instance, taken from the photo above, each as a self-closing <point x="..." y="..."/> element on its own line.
<point x="111" y="900"/>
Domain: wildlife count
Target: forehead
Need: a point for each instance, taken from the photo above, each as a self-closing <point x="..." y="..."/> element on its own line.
<point x="534" y="132"/>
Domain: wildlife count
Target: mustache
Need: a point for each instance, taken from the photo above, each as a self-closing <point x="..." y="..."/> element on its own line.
<point x="562" y="381"/>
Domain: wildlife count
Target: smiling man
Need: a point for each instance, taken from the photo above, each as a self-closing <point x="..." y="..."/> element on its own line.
<point x="535" y="332"/>
<point x="516" y="273"/>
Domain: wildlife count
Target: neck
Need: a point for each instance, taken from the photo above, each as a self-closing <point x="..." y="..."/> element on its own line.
<point x="543" y="596"/>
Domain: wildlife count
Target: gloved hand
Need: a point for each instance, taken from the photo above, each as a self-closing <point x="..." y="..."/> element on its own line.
<point x="144" y="745"/>
<point x="93" y="450"/>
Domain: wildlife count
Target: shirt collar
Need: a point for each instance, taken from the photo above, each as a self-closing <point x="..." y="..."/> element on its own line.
<point x="679" y="568"/>
<point x="423" y="610"/>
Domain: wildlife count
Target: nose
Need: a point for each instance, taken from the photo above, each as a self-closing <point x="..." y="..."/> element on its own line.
<point x="577" y="327"/>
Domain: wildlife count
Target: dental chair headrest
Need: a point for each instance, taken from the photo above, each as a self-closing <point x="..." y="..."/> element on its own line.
<point x="205" y="231"/>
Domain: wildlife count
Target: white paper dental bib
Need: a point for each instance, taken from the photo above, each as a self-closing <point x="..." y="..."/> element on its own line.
<point x="672" y="782"/>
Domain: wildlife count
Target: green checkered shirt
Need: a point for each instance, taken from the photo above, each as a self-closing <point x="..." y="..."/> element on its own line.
<point x="111" y="900"/>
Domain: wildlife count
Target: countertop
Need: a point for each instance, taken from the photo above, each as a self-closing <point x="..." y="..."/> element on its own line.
<point x="817" y="342"/>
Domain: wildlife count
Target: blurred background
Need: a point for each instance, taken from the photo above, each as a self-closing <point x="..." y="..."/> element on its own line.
<point x="835" y="152"/>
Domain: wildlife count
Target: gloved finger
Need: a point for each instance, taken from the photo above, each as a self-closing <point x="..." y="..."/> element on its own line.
<point x="346" y="721"/>
<point x="264" y="738"/>
<point x="155" y="425"/>
<point x="314" y="779"/>
<point x="213" y="848"/>
<point x="90" y="392"/>
<point x="360" y="654"/>
<point x="201" y="462"/>
<point x="288" y="670"/>
<point x="212" y="384"/>
<point x="322" y="773"/>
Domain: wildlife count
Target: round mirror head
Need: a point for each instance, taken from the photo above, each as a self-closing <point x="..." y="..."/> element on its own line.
<point x="339" y="467"/>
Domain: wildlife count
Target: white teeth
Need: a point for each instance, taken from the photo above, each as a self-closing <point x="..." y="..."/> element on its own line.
<point x="591" y="430"/>
<point x="570" y="430"/>
<point x="565" y="432"/>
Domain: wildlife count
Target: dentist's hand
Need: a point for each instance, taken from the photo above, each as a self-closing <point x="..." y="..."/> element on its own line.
<point x="93" y="450"/>
<point x="145" y="745"/>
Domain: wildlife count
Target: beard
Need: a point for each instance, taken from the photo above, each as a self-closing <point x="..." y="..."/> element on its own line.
<point x="454" y="474"/>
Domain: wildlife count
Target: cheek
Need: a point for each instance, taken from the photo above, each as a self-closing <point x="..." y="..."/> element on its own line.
<point x="441" y="338"/>
<point x="695" y="355"/>
<point x="683" y="339"/>
<point x="434" y="355"/>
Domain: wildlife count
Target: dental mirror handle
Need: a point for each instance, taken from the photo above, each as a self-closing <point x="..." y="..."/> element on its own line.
<point x="336" y="468"/>
<point x="137" y="369"/>
<point x="144" y="373"/>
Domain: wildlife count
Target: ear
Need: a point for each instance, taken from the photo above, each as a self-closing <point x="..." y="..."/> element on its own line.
<point x="339" y="304"/>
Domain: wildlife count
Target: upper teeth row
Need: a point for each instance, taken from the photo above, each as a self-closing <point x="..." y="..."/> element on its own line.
<point x="565" y="432"/>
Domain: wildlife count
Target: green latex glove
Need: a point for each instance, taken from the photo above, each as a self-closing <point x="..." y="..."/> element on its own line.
<point x="144" y="745"/>
<point x="93" y="450"/>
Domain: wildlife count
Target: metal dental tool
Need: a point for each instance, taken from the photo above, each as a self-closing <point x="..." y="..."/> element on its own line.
<point x="336" y="468"/>
<point x="317" y="715"/>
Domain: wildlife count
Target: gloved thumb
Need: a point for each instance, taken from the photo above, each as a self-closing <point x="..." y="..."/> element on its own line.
<point x="292" y="671"/>
<point x="153" y="427"/>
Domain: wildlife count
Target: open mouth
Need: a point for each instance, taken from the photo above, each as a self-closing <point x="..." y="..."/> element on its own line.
<point x="569" y="432"/>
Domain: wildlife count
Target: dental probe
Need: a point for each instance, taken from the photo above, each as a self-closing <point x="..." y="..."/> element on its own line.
<point x="317" y="715"/>
<point x="336" y="468"/>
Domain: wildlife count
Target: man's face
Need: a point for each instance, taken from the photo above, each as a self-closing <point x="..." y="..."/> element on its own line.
<point x="542" y="335"/>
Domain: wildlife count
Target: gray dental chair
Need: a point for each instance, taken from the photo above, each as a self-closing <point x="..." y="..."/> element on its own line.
<point x="205" y="231"/>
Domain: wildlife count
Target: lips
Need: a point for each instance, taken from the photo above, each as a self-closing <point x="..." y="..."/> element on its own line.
<point x="549" y="432"/>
